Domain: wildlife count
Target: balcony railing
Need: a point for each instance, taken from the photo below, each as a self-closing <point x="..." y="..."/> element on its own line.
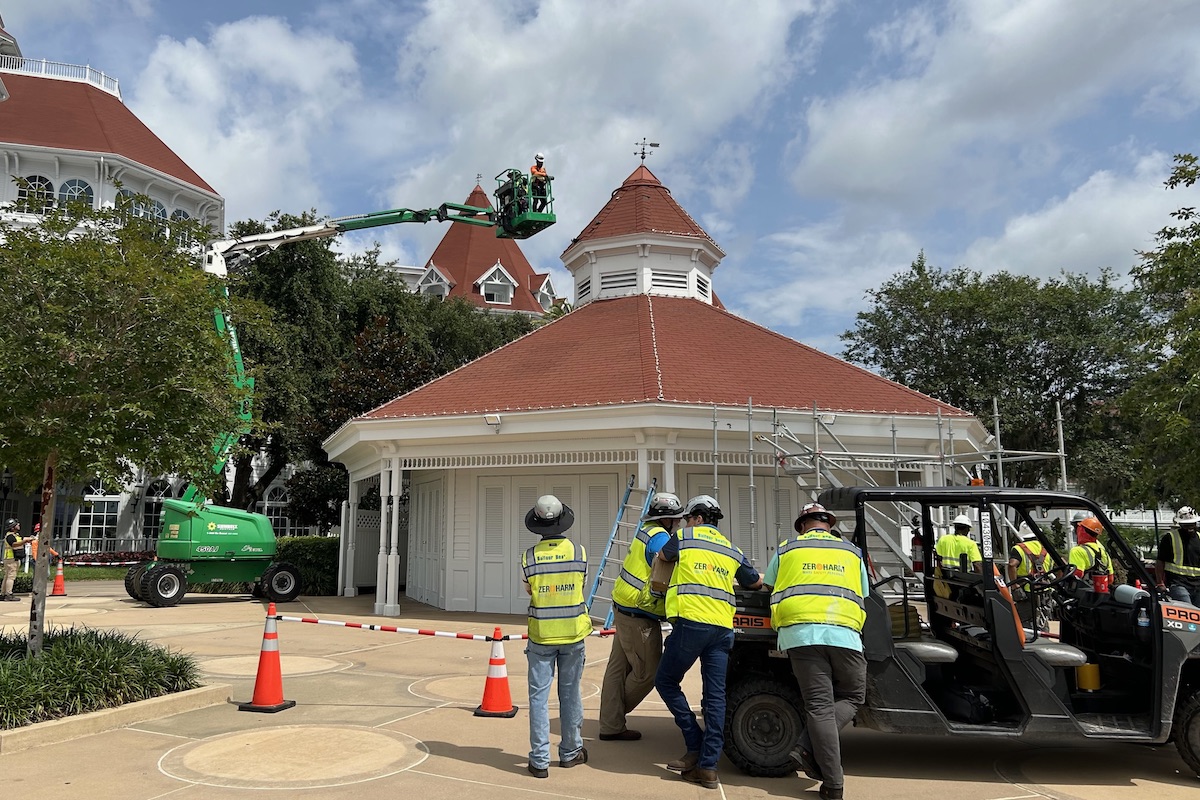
<point x="57" y="69"/>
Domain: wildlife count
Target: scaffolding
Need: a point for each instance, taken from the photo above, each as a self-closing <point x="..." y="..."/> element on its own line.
<point x="829" y="463"/>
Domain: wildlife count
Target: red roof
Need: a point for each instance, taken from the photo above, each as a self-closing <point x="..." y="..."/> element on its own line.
<point x="641" y="205"/>
<point x="642" y="349"/>
<point x="468" y="252"/>
<point x="70" y="115"/>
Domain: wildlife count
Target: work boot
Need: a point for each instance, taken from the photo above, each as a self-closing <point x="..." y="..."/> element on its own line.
<point x="539" y="772"/>
<point x="580" y="758"/>
<point x="687" y="761"/>
<point x="12" y="598"/>
<point x="828" y="792"/>
<point x="804" y="762"/>
<point x="626" y="735"/>
<point x="705" y="777"/>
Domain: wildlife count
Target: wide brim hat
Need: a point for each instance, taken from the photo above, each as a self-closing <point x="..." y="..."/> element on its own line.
<point x="550" y="527"/>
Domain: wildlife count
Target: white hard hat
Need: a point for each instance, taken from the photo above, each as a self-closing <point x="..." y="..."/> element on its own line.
<point x="963" y="520"/>
<point x="665" y="505"/>
<point x="539" y="157"/>
<point x="1186" y="515"/>
<point x="1024" y="531"/>
<point x="703" y="504"/>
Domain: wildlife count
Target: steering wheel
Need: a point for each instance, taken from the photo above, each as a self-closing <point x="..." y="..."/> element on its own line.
<point x="1047" y="581"/>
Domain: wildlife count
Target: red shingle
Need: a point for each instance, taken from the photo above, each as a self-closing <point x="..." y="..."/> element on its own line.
<point x="467" y="252"/>
<point x="641" y="205"/>
<point x="69" y="115"/>
<point x="646" y="349"/>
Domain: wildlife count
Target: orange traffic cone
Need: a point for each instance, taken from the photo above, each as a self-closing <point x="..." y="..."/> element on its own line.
<point x="60" y="585"/>
<point x="268" y="684"/>
<point x="497" y="702"/>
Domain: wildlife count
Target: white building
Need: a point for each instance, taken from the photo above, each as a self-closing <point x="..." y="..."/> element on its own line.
<point x="648" y="376"/>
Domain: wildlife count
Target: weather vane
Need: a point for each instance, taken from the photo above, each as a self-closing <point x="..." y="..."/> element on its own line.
<point x="479" y="177"/>
<point x="643" y="148"/>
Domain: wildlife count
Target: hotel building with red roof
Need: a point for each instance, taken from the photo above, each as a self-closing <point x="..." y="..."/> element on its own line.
<point x="647" y="376"/>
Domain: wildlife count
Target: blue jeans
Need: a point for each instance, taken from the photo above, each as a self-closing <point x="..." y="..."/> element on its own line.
<point x="570" y="660"/>
<point x="1185" y="594"/>
<point x="710" y="644"/>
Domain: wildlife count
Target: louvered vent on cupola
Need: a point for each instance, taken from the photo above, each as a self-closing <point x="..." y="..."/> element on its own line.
<point x="618" y="283"/>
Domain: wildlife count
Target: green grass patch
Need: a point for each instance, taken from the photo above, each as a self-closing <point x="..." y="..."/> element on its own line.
<point x="82" y="670"/>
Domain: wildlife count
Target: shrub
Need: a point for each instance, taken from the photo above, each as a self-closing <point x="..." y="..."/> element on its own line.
<point x="315" y="556"/>
<point x="82" y="670"/>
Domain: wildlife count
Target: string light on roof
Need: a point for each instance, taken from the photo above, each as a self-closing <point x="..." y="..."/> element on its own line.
<point x="644" y="148"/>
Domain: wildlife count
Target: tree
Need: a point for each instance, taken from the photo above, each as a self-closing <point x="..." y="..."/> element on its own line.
<point x="109" y="357"/>
<point x="966" y="338"/>
<point x="1166" y="399"/>
<point x="315" y="496"/>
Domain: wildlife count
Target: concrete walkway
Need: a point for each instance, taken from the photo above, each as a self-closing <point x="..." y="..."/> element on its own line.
<point x="386" y="715"/>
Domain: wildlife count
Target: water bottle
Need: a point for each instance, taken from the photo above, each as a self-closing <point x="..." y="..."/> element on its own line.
<point x="1143" y="618"/>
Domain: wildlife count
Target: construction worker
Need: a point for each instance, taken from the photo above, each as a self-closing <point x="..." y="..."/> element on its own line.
<point x="33" y="543"/>
<point x="952" y="546"/>
<point x="555" y="570"/>
<point x="540" y="181"/>
<point x="1089" y="557"/>
<point x="700" y="606"/>
<point x="637" y="643"/>
<point x="1028" y="557"/>
<point x="1177" y="568"/>
<point x="818" y="587"/>
<point x="14" y="545"/>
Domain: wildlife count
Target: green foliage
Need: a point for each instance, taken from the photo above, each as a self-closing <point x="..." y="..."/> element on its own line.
<point x="966" y="338"/>
<point x="315" y="496"/>
<point x="317" y="559"/>
<point x="82" y="670"/>
<point x="1165" y="401"/>
<point x="109" y="357"/>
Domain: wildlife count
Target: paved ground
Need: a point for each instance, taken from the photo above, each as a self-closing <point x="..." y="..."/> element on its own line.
<point x="381" y="715"/>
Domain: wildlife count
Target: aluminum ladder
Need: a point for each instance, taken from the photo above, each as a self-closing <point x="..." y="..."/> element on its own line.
<point x="617" y="548"/>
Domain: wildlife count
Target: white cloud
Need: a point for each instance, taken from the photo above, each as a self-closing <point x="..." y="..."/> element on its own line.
<point x="1101" y="223"/>
<point x="980" y="90"/>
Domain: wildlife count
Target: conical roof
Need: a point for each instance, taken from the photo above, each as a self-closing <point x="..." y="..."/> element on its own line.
<point x="467" y="253"/>
<point x="641" y="204"/>
<point x="644" y="348"/>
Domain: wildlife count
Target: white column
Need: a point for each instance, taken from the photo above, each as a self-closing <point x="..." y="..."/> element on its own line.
<point x="392" y="607"/>
<point x="342" y="538"/>
<point x="669" y="471"/>
<point x="351" y="532"/>
<point x="385" y="489"/>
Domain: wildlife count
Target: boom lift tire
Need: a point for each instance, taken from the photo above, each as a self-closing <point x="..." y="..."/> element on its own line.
<point x="1186" y="731"/>
<point x="133" y="581"/>
<point x="281" y="582"/>
<point x="763" y="722"/>
<point x="163" y="586"/>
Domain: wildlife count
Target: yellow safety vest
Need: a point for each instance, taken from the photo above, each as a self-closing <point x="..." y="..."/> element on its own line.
<point x="632" y="588"/>
<point x="701" y="587"/>
<point x="1029" y="551"/>
<point x="820" y="581"/>
<point x="1097" y="563"/>
<point x="1176" y="566"/>
<point x="556" y="570"/>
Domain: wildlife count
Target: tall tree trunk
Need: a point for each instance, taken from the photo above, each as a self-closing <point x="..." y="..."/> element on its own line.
<point x="41" y="568"/>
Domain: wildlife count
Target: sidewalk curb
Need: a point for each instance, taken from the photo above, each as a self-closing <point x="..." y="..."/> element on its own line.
<point x="61" y="730"/>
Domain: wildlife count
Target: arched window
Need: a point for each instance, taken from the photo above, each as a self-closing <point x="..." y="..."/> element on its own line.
<point x="76" y="190"/>
<point x="98" y="518"/>
<point x="130" y="203"/>
<point x="181" y="238"/>
<point x="179" y="213"/>
<point x="152" y="508"/>
<point x="159" y="210"/>
<point x="276" y="509"/>
<point x="35" y="195"/>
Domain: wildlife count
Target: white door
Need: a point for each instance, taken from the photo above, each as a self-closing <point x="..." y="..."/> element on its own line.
<point x="425" y="566"/>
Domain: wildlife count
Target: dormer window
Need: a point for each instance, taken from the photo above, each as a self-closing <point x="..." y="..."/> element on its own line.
<point x="497" y="286"/>
<point x="433" y="282"/>
<point x="545" y="295"/>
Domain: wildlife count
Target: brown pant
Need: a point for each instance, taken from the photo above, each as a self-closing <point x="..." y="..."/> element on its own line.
<point x="636" y="650"/>
<point x="10" y="575"/>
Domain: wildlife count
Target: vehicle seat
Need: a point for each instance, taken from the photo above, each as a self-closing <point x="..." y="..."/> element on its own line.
<point x="928" y="651"/>
<point x="1055" y="654"/>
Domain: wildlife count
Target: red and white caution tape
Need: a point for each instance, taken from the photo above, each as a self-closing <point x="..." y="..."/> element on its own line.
<point x="366" y="626"/>
<point x="103" y="563"/>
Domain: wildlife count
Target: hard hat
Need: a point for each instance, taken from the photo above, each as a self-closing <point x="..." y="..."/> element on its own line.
<point x="1091" y="524"/>
<point x="539" y="157"/>
<point x="1186" y="515"/>
<point x="705" y="505"/>
<point x="813" y="510"/>
<point x="11" y="523"/>
<point x="1024" y="531"/>
<point x="549" y="516"/>
<point x="664" y="506"/>
<point x="963" y="521"/>
<point x="37" y="527"/>
<point x="1078" y="517"/>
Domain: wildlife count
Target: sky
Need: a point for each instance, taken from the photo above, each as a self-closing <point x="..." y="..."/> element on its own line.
<point x="822" y="143"/>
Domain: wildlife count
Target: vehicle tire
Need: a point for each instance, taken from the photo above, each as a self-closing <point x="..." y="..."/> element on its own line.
<point x="256" y="590"/>
<point x="1186" y="731"/>
<point x="763" y="722"/>
<point x="281" y="582"/>
<point x="163" y="586"/>
<point x="133" y="580"/>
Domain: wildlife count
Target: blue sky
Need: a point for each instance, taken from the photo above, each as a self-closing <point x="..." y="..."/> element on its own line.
<point x="822" y="143"/>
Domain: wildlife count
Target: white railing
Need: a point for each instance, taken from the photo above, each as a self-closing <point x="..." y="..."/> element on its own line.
<point x="57" y="69"/>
